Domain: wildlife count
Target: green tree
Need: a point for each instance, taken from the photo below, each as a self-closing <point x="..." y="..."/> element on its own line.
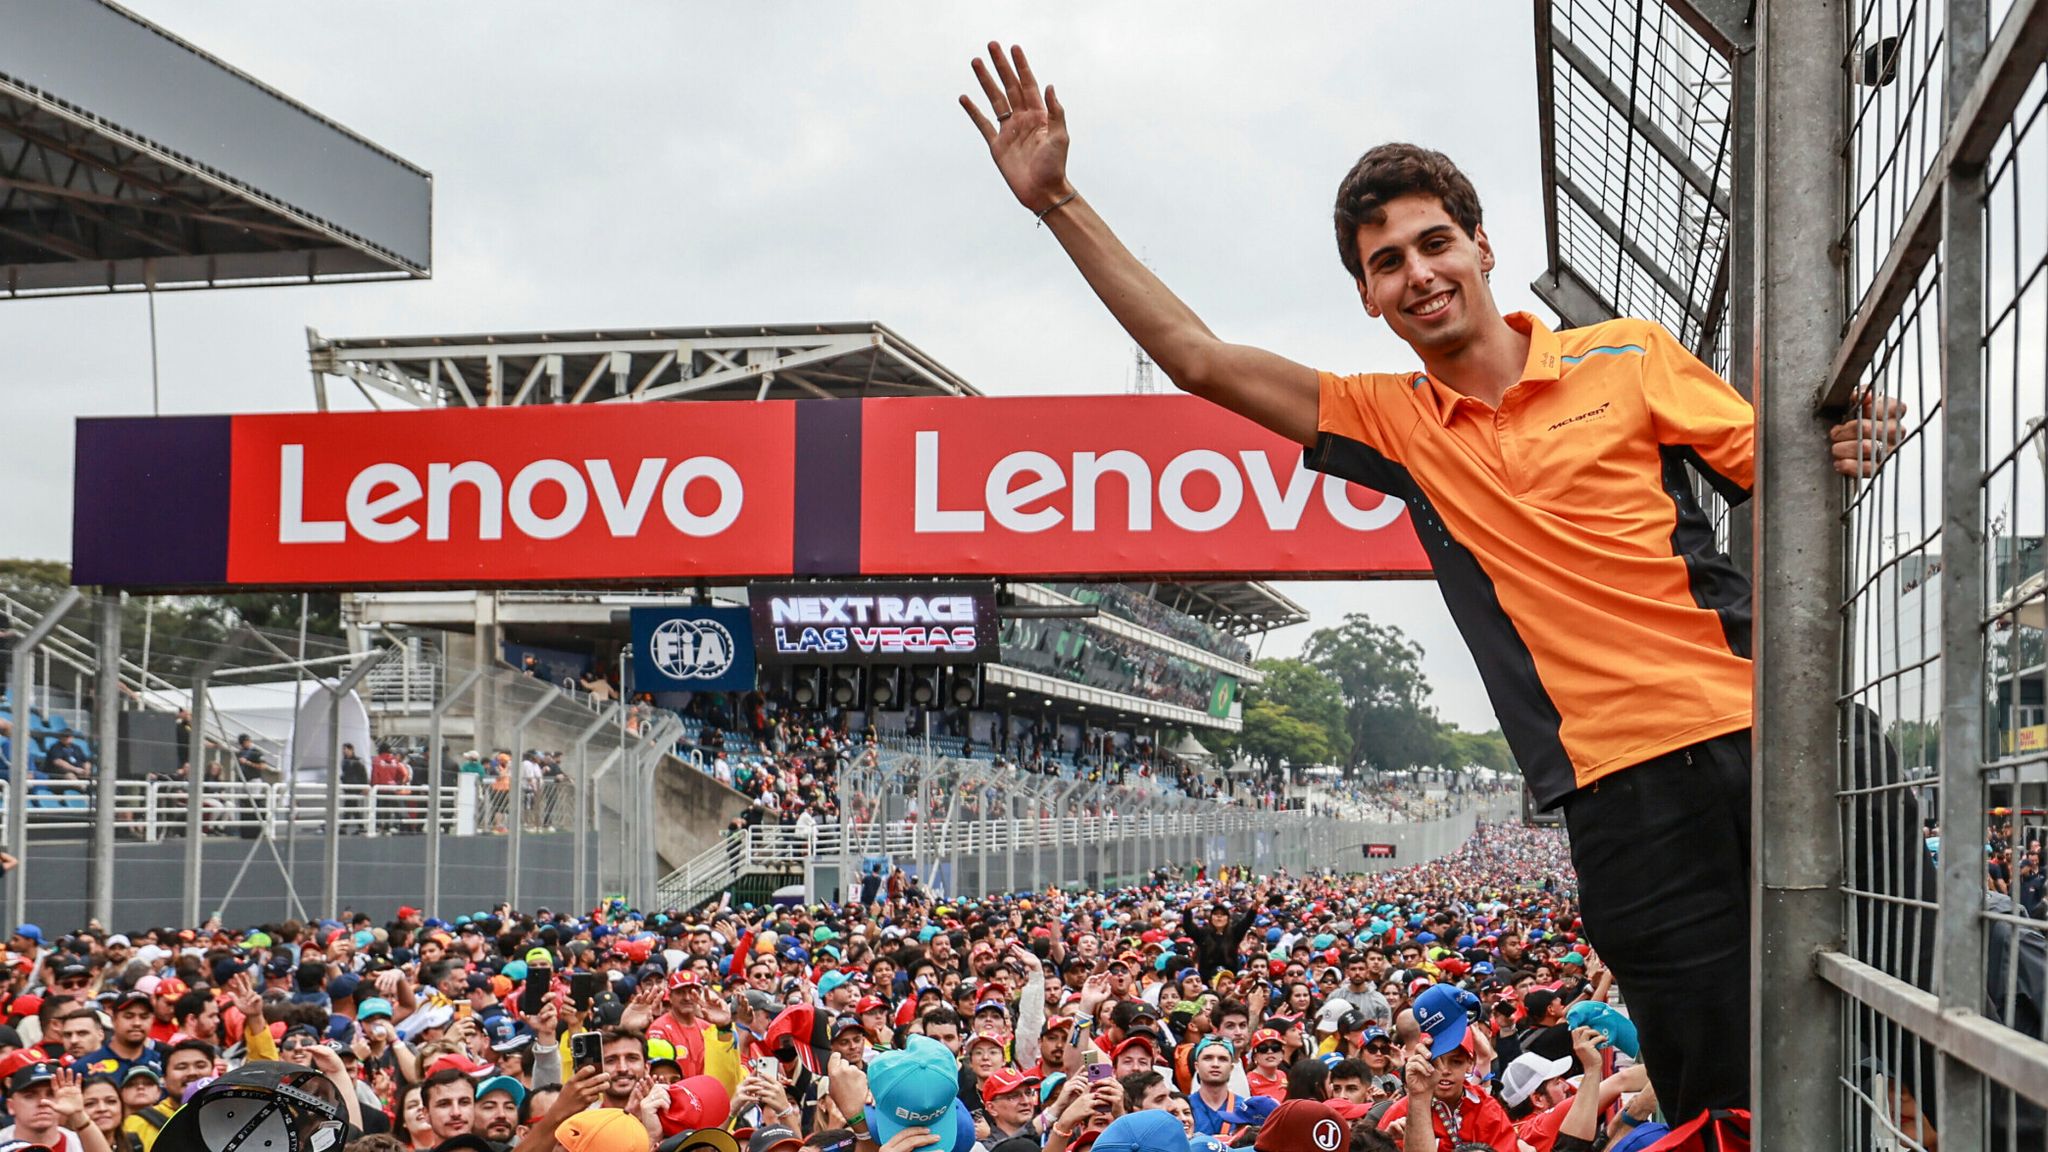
<point x="1476" y="749"/>
<point x="1296" y="715"/>
<point x="1378" y="673"/>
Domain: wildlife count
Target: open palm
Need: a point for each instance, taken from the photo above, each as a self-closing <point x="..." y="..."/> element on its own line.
<point x="1028" y="136"/>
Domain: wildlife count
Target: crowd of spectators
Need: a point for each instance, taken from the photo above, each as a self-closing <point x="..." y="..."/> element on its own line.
<point x="1439" y="1006"/>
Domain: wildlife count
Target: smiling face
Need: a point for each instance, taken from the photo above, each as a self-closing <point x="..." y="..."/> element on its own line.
<point x="1425" y="276"/>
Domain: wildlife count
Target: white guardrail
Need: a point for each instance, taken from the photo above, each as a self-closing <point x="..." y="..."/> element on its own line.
<point x="156" y="809"/>
<point x="780" y="846"/>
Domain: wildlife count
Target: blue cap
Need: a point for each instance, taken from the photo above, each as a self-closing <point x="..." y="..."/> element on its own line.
<point x="796" y="954"/>
<point x="344" y="985"/>
<point x="830" y="982"/>
<point x="514" y="970"/>
<point x="1467" y="941"/>
<point x="30" y="932"/>
<point x="1440" y="1011"/>
<point x="373" y="1007"/>
<point x="1641" y="1136"/>
<point x="1152" y="1130"/>
<point x="1215" y="1040"/>
<point x="1426" y="938"/>
<point x="1619" y="1030"/>
<point x="1483" y="968"/>
<point x="1201" y="1142"/>
<point x="917" y="1085"/>
<point x="502" y="1084"/>
<point x="1273" y="935"/>
<point x="1322" y="942"/>
<point x="925" y="934"/>
<point x="1372" y="1032"/>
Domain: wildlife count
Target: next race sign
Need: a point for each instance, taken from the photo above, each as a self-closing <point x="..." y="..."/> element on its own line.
<point x="867" y="623"/>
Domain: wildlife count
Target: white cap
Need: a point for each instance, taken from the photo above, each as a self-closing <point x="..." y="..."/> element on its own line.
<point x="1528" y="1073"/>
<point x="118" y="939"/>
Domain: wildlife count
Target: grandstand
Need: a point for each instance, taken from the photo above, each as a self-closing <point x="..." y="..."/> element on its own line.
<point x="1157" y="661"/>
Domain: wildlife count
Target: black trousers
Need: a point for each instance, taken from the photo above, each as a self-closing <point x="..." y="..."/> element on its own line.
<point x="1662" y="853"/>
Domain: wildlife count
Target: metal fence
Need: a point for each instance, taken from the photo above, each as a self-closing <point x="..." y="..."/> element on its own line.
<point x="1886" y="181"/>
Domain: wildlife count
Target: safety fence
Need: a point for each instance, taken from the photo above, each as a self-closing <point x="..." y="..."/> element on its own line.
<point x="156" y="809"/>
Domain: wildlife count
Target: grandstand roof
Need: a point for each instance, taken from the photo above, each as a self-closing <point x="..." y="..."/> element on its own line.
<point x="130" y="159"/>
<point x="741" y="362"/>
<point x="1634" y="108"/>
<point x="1240" y="607"/>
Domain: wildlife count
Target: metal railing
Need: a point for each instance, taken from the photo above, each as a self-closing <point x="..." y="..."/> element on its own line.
<point x="155" y="809"/>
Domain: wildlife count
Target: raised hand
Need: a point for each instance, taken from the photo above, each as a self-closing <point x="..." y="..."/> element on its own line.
<point x="1027" y="137"/>
<point x="67" y="1093"/>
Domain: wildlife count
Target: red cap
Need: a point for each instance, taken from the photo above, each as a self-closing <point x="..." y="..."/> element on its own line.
<point x="1302" y="1123"/>
<point x="695" y="1102"/>
<point x="1003" y="1081"/>
<point x="905" y="1013"/>
<point x="998" y="1039"/>
<point x="170" y="988"/>
<point x="407" y="912"/>
<point x="1266" y="1036"/>
<point x="1138" y="1041"/>
<point x="684" y="979"/>
<point x="866" y="1004"/>
<point x="461" y="1062"/>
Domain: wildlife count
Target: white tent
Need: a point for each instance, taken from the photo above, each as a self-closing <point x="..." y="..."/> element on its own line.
<point x="1190" y="748"/>
<point x="265" y="712"/>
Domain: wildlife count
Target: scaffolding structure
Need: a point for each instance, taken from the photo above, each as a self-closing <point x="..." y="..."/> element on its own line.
<point x="1838" y="204"/>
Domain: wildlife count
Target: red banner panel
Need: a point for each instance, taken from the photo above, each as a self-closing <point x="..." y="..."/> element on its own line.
<point x="1113" y="486"/>
<point x="480" y="496"/>
<point x="1084" y="486"/>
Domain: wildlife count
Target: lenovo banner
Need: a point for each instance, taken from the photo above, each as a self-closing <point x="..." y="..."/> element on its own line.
<point x="875" y="623"/>
<point x="644" y="494"/>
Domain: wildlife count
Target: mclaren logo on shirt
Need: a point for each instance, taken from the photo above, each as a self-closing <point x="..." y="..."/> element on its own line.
<point x="1595" y="414"/>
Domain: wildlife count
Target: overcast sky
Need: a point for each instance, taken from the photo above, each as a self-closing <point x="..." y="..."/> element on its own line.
<point x="619" y="165"/>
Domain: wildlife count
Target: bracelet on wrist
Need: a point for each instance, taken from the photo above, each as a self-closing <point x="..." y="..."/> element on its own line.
<point x="1055" y="206"/>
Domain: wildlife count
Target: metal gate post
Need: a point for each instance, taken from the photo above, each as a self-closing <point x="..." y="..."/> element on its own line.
<point x="106" y="749"/>
<point x="515" y="796"/>
<point x="1959" y="960"/>
<point x="330" y="890"/>
<point x="1797" y="912"/>
<point x="584" y="811"/>
<point x="435" y="759"/>
<point x="23" y="747"/>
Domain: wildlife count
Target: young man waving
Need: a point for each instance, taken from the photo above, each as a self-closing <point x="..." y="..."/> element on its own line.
<point x="1546" y="474"/>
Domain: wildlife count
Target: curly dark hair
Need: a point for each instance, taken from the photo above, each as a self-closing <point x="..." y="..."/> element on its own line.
<point x="1389" y="172"/>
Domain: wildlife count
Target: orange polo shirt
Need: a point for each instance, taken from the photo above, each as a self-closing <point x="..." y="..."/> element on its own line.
<point x="1566" y="539"/>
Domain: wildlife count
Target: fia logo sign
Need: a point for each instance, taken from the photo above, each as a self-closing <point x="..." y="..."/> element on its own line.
<point x="686" y="649"/>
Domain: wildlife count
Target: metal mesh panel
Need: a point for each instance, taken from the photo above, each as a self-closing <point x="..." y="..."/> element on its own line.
<point x="1643" y="222"/>
<point x="1891" y="699"/>
<point x="1895" y="102"/>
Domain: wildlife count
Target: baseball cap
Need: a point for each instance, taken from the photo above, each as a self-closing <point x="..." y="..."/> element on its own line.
<point x="140" y="1069"/>
<point x="1619" y="1030"/>
<point x="504" y="1084"/>
<point x="830" y="982"/>
<point x="602" y="1130"/>
<point x="1440" y="1011"/>
<point x="772" y="1136"/>
<point x="40" y="1072"/>
<point x="917" y="1085"/>
<point x="29" y="932"/>
<point x="1527" y="1073"/>
<point x="1298" y="1125"/>
<point x="696" y="1102"/>
<point x="1152" y="1130"/>
<point x="373" y="1007"/>
<point x="1004" y="1081"/>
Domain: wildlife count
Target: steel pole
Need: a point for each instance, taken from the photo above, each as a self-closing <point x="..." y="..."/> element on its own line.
<point x="23" y="748"/>
<point x="106" y="724"/>
<point x="330" y="888"/>
<point x="515" y="795"/>
<point x="583" y="809"/>
<point x="1959" y="953"/>
<point x="1798" y="912"/>
<point x="195" y="795"/>
<point x="435" y="759"/>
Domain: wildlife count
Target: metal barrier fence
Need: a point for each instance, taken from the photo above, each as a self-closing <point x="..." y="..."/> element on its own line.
<point x="1886" y="192"/>
<point x="1902" y="232"/>
<point x="155" y="809"/>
